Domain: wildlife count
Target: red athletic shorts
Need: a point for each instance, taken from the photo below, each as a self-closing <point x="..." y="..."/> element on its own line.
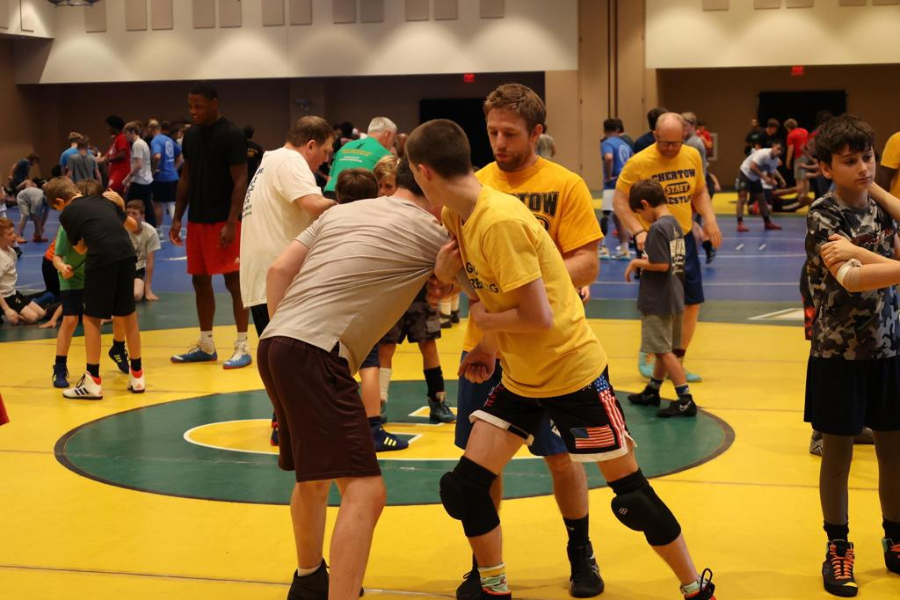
<point x="204" y="254"/>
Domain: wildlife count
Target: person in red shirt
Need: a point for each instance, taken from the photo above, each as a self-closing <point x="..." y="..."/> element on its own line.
<point x="798" y="160"/>
<point x="705" y="137"/>
<point x="118" y="156"/>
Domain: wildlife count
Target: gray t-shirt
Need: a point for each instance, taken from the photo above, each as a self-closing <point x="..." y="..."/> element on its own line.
<point x="82" y="166"/>
<point x="145" y="242"/>
<point x="697" y="144"/>
<point x="662" y="293"/>
<point x="366" y="263"/>
<point x="140" y="150"/>
<point x="848" y="325"/>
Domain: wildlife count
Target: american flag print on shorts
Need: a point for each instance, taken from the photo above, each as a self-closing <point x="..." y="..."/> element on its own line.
<point x="593" y="437"/>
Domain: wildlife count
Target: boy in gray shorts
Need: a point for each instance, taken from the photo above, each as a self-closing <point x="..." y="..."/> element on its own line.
<point x="660" y="298"/>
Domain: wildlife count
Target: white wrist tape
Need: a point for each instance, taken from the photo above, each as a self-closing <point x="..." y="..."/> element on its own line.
<point x="845" y="269"/>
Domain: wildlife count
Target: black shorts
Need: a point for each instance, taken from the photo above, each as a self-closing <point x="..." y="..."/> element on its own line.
<point x="109" y="290"/>
<point x="72" y="302"/>
<point x="693" y="276"/>
<point x="420" y="323"/>
<point x="371" y="359"/>
<point x="165" y="191"/>
<point x="589" y="421"/>
<point x="260" y="314"/>
<point x="754" y="187"/>
<point x="17" y="302"/>
<point x="842" y="396"/>
<point x="322" y="424"/>
<point x="140" y="274"/>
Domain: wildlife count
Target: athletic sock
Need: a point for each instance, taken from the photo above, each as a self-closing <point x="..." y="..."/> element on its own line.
<point x="707" y="246"/>
<point x="136" y="365"/>
<point x="891" y="530"/>
<point x="434" y="380"/>
<point x="206" y="342"/>
<point x="301" y="572"/>
<point x="578" y="531"/>
<point x="740" y="219"/>
<point x="384" y="382"/>
<point x="767" y="220"/>
<point x="691" y="588"/>
<point x="61" y="361"/>
<point x="655" y="384"/>
<point x="683" y="390"/>
<point x="241" y="338"/>
<point x="837" y="532"/>
<point x="118" y="346"/>
<point x="493" y="579"/>
<point x="375" y="421"/>
<point x="94" y="370"/>
<point x="679" y="353"/>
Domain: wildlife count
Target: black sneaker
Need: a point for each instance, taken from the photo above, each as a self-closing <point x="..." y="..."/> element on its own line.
<point x="438" y="411"/>
<point x="837" y="570"/>
<point x="683" y="407"/>
<point x="891" y="555"/>
<point x="454" y="316"/>
<point x="585" y="581"/>
<point x="646" y="398"/>
<point x="120" y="358"/>
<point x="470" y="588"/>
<point x="311" y="587"/>
<point x="707" y="588"/>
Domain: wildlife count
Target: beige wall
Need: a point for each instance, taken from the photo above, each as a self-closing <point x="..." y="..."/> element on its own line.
<point x="534" y="35"/>
<point x="680" y="34"/>
<point x="727" y="99"/>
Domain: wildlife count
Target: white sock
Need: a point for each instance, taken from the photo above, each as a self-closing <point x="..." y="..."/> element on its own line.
<point x="301" y="572"/>
<point x="446" y="307"/>
<point x="241" y="338"/>
<point x="454" y="303"/>
<point x="206" y="342"/>
<point x="384" y="382"/>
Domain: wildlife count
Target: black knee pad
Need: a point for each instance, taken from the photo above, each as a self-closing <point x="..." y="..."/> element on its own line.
<point x="638" y="507"/>
<point x="466" y="496"/>
<point x="604" y="222"/>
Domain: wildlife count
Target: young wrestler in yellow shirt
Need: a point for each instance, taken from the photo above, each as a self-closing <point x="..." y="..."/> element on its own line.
<point x="553" y="364"/>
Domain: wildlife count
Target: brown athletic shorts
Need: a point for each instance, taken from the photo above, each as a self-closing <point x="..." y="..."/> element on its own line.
<point x="322" y="425"/>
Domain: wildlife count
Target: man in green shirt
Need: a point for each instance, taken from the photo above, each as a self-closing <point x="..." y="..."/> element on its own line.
<point x="363" y="153"/>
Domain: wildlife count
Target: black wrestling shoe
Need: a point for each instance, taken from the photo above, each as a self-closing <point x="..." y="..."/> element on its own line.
<point x="585" y="580"/>
<point x="311" y="587"/>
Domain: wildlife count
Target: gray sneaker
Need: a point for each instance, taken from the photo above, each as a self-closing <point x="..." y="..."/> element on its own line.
<point x="815" y="443"/>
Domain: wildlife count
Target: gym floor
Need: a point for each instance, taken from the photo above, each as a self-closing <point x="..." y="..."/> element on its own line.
<point x="175" y="493"/>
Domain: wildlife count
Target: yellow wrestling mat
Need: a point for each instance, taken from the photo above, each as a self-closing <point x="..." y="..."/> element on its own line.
<point x="91" y="507"/>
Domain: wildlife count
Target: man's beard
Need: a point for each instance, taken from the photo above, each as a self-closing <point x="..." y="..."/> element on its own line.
<point x="513" y="162"/>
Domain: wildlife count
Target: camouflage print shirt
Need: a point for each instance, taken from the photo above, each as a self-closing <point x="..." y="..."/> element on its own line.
<point x="852" y="326"/>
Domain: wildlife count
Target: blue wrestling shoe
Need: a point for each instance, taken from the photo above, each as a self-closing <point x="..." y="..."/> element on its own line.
<point x="195" y="354"/>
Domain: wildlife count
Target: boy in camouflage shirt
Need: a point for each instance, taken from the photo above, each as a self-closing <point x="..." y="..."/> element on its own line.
<point x="853" y="374"/>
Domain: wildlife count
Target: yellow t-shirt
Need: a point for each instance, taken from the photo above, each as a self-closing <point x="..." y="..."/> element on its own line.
<point x="558" y="198"/>
<point x="681" y="178"/>
<point x="891" y="158"/>
<point x="503" y="247"/>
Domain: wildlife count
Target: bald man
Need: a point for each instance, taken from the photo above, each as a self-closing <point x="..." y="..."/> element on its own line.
<point x="679" y="169"/>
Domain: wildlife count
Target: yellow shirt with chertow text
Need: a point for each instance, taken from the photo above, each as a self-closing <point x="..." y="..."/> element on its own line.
<point x="503" y="247"/>
<point x="558" y="198"/>
<point x="681" y="178"/>
<point x="891" y="158"/>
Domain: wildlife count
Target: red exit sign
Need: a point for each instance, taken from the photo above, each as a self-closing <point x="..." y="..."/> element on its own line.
<point x="798" y="71"/>
<point x="469" y="78"/>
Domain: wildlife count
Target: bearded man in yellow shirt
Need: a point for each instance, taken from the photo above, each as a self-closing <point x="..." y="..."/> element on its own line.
<point x="561" y="203"/>
<point x="679" y="169"/>
<point x="553" y="365"/>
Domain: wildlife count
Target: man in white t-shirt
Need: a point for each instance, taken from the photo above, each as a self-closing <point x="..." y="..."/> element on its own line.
<point x="282" y="200"/>
<point x="139" y="182"/>
<point x="759" y="168"/>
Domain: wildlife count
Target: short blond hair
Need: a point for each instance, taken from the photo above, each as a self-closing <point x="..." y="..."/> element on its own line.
<point x="6" y="224"/>
<point x="387" y="166"/>
<point x="133" y="127"/>
<point x="59" y="188"/>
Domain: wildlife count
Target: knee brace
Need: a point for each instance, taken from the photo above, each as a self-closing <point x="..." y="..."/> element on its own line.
<point x="466" y="496"/>
<point x="638" y="507"/>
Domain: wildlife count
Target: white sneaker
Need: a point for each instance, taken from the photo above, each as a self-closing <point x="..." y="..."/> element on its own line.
<point x="603" y="253"/>
<point x="136" y="383"/>
<point x="241" y="357"/>
<point x="87" y="388"/>
<point x="622" y="252"/>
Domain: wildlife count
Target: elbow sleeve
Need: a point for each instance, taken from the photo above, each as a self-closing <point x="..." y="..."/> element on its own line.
<point x="847" y="275"/>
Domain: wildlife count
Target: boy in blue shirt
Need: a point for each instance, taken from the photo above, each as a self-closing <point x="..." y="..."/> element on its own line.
<point x="165" y="159"/>
<point x="615" y="152"/>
